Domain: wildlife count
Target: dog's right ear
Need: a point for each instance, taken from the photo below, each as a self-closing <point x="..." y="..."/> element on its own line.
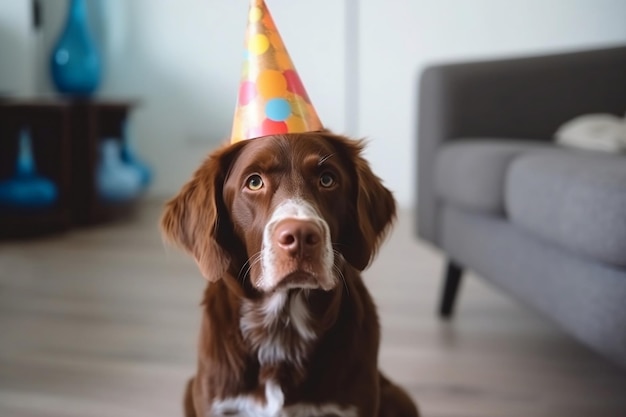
<point x="196" y="219"/>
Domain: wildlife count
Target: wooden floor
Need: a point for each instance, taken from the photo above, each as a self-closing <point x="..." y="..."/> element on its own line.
<point x="103" y="322"/>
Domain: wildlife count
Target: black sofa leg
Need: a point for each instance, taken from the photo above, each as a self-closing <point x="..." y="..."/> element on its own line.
<point x="454" y="272"/>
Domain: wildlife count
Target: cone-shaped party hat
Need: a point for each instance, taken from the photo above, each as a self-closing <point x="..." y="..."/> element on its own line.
<point x="272" y="99"/>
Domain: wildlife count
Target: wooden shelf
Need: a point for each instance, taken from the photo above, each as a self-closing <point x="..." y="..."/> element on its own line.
<point x="66" y="134"/>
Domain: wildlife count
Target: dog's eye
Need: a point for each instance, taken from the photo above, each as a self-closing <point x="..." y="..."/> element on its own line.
<point x="254" y="182"/>
<point x="327" y="180"/>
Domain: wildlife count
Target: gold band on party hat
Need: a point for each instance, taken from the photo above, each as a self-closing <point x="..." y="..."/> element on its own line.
<point x="272" y="99"/>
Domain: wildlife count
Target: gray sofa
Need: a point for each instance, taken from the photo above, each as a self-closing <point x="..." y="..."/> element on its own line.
<point x="545" y="224"/>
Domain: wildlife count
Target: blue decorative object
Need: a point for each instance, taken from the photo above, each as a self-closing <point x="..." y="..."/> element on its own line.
<point x="75" y="63"/>
<point x="129" y="156"/>
<point x="116" y="181"/>
<point x="27" y="190"/>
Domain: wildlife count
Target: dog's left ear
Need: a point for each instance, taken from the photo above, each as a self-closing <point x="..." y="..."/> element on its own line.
<point x="373" y="209"/>
<point x="197" y="219"/>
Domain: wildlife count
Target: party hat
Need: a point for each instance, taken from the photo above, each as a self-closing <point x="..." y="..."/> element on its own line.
<point x="272" y="99"/>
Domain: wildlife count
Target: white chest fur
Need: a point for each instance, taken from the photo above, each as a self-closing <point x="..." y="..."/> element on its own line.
<point x="279" y="330"/>
<point x="246" y="406"/>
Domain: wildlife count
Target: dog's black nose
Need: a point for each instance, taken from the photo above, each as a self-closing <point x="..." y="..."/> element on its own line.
<point x="299" y="238"/>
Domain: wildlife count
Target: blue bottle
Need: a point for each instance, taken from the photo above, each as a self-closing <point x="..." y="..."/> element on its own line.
<point x="75" y="63"/>
<point x="129" y="156"/>
<point x="26" y="189"/>
<point x="116" y="181"/>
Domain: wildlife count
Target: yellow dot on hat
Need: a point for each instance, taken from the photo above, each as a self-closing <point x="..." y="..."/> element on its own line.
<point x="271" y="84"/>
<point x="255" y="14"/>
<point x="299" y="106"/>
<point x="258" y="44"/>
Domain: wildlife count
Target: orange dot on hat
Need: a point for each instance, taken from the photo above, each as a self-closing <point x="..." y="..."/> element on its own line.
<point x="271" y="84"/>
<point x="282" y="59"/>
<point x="258" y="44"/>
<point x="276" y="41"/>
<point x="295" y="124"/>
<point x="268" y="22"/>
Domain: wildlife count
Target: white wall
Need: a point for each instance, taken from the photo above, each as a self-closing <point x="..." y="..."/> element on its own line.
<point x="182" y="59"/>
<point x="399" y="37"/>
<point x="16" y="48"/>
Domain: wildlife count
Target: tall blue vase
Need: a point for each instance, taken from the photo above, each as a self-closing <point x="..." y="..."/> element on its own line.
<point x="75" y="63"/>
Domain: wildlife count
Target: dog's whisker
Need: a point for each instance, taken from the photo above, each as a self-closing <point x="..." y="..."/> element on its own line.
<point x="257" y="259"/>
<point x="241" y="273"/>
<point x="339" y="272"/>
<point x="247" y="266"/>
<point x="345" y="283"/>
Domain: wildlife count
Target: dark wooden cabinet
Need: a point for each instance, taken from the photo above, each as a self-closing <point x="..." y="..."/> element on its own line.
<point x="49" y="125"/>
<point x="91" y="122"/>
<point x="65" y="136"/>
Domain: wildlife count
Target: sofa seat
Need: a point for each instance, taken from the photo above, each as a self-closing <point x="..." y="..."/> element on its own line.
<point x="575" y="199"/>
<point x="471" y="173"/>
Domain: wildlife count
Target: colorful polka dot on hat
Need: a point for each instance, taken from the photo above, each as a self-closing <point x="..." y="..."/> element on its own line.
<point x="272" y="99"/>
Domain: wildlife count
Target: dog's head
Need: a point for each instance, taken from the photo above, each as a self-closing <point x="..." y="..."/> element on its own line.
<point x="281" y="211"/>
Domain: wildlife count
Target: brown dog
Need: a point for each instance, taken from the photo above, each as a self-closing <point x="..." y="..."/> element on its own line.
<point x="281" y="227"/>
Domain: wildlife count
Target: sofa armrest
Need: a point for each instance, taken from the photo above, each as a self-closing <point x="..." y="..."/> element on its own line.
<point x="523" y="98"/>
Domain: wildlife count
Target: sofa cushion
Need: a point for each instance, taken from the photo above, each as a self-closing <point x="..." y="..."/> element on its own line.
<point x="576" y="199"/>
<point x="470" y="173"/>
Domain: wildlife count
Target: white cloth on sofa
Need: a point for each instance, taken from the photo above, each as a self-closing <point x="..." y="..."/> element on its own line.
<point x="601" y="132"/>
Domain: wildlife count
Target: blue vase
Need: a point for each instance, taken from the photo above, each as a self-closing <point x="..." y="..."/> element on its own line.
<point x="116" y="181"/>
<point x="75" y="63"/>
<point x="26" y="189"/>
<point x="129" y="156"/>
